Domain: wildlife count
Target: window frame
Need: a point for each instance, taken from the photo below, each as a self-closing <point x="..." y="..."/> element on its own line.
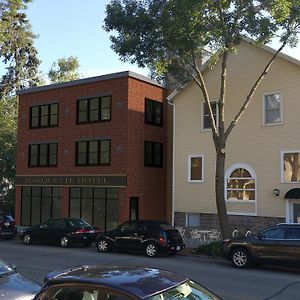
<point x="202" y="115"/>
<point x="87" y="153"/>
<point x="153" y="103"/>
<point x="189" y="179"/>
<point x="282" y="166"/>
<point x="38" y="165"/>
<point x="264" y="108"/>
<point x="88" y="110"/>
<point x="39" y="117"/>
<point x="229" y="171"/>
<point x="152" y="164"/>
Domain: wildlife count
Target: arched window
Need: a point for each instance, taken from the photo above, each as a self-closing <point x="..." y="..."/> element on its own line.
<point x="240" y="183"/>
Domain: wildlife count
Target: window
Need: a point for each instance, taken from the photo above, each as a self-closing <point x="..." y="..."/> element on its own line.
<point x="195" y="168"/>
<point x="290" y="166"/>
<point x="240" y="184"/>
<point x="44" y="115"/>
<point x="89" y="153"/>
<point x="272" y="109"/>
<point x="153" y="112"/>
<point x="193" y="220"/>
<point x="94" y="110"/>
<point x="275" y="233"/>
<point x="39" y="204"/>
<point x="42" y="155"/>
<point x="153" y="154"/>
<point x="97" y="206"/>
<point x="134" y="208"/>
<point x="205" y="115"/>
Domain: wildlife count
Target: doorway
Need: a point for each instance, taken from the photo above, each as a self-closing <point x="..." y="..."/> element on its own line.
<point x="296" y="210"/>
<point x="134" y="208"/>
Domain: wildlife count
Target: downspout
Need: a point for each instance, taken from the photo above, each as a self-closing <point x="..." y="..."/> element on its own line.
<point x="173" y="162"/>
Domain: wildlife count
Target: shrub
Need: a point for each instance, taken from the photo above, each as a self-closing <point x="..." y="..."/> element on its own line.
<point x="212" y="249"/>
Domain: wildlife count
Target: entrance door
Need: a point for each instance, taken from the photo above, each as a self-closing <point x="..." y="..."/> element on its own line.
<point x="134" y="208"/>
<point x="296" y="209"/>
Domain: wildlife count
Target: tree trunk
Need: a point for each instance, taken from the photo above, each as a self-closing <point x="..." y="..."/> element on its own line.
<point x="219" y="189"/>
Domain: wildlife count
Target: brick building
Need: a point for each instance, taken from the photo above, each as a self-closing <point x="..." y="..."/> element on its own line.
<point x="94" y="148"/>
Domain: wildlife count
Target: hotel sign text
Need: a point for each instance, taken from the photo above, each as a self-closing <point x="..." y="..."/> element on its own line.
<point x="78" y="180"/>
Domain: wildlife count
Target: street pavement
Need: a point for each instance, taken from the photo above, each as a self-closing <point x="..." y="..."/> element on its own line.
<point x="259" y="283"/>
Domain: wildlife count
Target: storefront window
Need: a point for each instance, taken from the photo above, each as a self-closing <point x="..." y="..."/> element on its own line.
<point x="97" y="206"/>
<point x="40" y="204"/>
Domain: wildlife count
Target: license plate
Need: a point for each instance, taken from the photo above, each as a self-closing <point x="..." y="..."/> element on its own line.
<point x="6" y="233"/>
<point x="6" y="223"/>
<point x="92" y="231"/>
<point x="178" y="248"/>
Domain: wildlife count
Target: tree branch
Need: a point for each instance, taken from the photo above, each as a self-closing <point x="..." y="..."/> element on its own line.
<point x="253" y="89"/>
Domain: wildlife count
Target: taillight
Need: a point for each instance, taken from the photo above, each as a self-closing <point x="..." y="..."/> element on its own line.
<point x="81" y="231"/>
<point x="162" y="240"/>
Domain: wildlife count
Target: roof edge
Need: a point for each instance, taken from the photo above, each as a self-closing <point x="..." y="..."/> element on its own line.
<point x="89" y="80"/>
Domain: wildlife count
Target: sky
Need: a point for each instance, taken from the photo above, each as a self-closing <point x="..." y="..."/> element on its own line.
<point x="74" y="28"/>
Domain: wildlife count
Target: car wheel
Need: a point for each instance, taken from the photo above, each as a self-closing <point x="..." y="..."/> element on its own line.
<point x="27" y="239"/>
<point x="240" y="258"/>
<point x="102" y="245"/>
<point x="151" y="250"/>
<point x="64" y="241"/>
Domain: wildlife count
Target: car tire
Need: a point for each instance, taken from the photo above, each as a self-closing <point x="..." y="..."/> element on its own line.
<point x="64" y="241"/>
<point x="27" y="239"/>
<point x="240" y="258"/>
<point x="102" y="245"/>
<point x="151" y="250"/>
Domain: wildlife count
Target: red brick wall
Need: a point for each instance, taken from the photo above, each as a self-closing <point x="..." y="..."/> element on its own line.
<point x="126" y="129"/>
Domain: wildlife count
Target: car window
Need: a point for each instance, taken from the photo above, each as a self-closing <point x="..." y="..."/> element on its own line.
<point x="78" y="223"/>
<point x="60" y="223"/>
<point x="129" y="226"/>
<point x="82" y="293"/>
<point x="166" y="226"/>
<point x="274" y="233"/>
<point x="292" y="233"/>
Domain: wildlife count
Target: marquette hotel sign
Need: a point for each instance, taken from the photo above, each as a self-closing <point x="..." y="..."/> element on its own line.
<point x="78" y="180"/>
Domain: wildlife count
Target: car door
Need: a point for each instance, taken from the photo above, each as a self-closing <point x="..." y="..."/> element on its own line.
<point x="40" y="232"/>
<point x="56" y="230"/>
<point x="126" y="235"/>
<point x="291" y="244"/>
<point x="268" y="245"/>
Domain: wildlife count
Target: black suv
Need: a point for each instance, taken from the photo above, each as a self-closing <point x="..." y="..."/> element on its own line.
<point x="280" y="243"/>
<point x="151" y="237"/>
<point x="8" y="227"/>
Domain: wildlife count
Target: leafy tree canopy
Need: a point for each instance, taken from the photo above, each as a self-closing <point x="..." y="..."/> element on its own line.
<point x="17" y="50"/>
<point x="65" y="69"/>
<point x="169" y="35"/>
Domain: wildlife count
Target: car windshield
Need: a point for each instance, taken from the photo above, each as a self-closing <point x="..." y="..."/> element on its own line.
<point x="188" y="290"/>
<point x="5" y="269"/>
<point x="78" y="222"/>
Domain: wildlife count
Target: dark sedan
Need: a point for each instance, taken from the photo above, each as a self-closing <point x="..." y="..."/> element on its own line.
<point x="8" y="227"/>
<point x="280" y="243"/>
<point x="62" y="231"/>
<point x="150" y="237"/>
<point x="14" y="286"/>
<point x="121" y="283"/>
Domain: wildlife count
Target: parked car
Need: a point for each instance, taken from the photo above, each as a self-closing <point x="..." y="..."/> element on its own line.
<point x="14" y="286"/>
<point x="280" y="243"/>
<point x="8" y="227"/>
<point x="152" y="237"/>
<point x="62" y="231"/>
<point x="120" y="283"/>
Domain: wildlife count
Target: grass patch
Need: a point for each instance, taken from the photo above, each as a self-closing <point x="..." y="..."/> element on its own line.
<point x="212" y="249"/>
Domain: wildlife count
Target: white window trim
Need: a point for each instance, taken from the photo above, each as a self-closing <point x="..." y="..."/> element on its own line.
<point x="264" y="111"/>
<point x="281" y="166"/>
<point x="189" y="168"/>
<point x="228" y="173"/>
<point x="202" y="116"/>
